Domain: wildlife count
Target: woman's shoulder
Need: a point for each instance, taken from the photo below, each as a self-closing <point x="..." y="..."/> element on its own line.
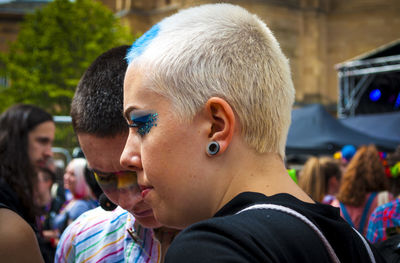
<point x="17" y="238"/>
<point x="239" y="237"/>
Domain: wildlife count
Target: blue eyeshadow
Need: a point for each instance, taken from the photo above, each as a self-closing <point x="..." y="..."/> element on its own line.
<point x="144" y="123"/>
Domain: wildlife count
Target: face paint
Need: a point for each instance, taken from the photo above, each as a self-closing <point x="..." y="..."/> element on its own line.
<point x="141" y="43"/>
<point x="114" y="181"/>
<point x="143" y="122"/>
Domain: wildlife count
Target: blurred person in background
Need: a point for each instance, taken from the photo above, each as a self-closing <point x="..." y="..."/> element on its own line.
<point x="344" y="156"/>
<point x="57" y="189"/>
<point x="320" y="178"/>
<point x="361" y="183"/>
<point x="384" y="222"/>
<point x="83" y="198"/>
<point x="26" y="138"/>
<point x="48" y="206"/>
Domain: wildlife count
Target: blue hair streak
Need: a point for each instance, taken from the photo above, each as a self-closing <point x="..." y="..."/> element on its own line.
<point x="141" y="43"/>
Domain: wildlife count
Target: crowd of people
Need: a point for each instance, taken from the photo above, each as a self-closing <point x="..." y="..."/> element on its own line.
<point x="26" y="179"/>
<point x="183" y="137"/>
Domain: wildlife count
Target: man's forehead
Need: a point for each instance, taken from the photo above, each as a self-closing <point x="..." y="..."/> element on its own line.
<point x="104" y="163"/>
<point x="102" y="153"/>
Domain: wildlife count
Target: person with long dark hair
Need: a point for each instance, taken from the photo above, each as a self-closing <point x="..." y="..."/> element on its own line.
<point x="26" y="137"/>
<point x="128" y="224"/>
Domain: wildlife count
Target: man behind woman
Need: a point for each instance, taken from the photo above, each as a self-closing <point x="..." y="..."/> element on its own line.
<point x="131" y="235"/>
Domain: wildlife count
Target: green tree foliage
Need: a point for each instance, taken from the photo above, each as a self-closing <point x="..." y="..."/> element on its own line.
<point x="54" y="47"/>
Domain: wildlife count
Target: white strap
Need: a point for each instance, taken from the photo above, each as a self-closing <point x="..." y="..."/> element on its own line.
<point x="292" y="212"/>
<point x="371" y="255"/>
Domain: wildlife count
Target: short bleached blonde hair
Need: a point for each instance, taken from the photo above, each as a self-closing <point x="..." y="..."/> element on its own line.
<point x="220" y="50"/>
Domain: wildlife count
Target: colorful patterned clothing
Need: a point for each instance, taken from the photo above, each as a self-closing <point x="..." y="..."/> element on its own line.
<point x="383" y="217"/>
<point x="101" y="236"/>
<point x="70" y="211"/>
<point x="356" y="212"/>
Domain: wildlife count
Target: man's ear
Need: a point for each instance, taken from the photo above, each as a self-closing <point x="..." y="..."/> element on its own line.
<point x="222" y="122"/>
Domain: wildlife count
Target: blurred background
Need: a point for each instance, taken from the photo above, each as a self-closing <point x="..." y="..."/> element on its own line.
<point x="344" y="55"/>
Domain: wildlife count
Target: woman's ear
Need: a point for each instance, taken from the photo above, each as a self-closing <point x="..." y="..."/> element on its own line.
<point x="222" y="120"/>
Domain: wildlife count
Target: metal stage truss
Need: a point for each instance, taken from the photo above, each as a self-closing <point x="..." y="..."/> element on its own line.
<point x="356" y="77"/>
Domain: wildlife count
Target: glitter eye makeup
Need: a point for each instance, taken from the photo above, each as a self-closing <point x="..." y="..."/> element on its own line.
<point x="113" y="181"/>
<point x="143" y="122"/>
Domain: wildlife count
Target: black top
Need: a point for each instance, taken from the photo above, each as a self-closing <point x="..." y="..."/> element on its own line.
<point x="266" y="235"/>
<point x="10" y="200"/>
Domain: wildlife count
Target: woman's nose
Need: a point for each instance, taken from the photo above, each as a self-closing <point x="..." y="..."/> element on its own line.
<point x="130" y="157"/>
<point x="128" y="198"/>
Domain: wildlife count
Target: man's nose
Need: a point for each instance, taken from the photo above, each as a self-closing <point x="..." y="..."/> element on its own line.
<point x="48" y="152"/>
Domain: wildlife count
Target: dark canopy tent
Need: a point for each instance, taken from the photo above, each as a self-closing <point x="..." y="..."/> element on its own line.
<point x="384" y="125"/>
<point x="314" y="131"/>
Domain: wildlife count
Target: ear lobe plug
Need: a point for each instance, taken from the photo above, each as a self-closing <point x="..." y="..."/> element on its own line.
<point x="213" y="148"/>
<point x="106" y="204"/>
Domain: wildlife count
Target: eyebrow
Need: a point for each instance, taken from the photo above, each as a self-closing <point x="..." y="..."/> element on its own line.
<point x="43" y="139"/>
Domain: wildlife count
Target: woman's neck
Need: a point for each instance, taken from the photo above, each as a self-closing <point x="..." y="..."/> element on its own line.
<point x="262" y="173"/>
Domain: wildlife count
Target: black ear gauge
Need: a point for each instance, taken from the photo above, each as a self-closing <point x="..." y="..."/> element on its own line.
<point x="213" y="148"/>
<point x="105" y="203"/>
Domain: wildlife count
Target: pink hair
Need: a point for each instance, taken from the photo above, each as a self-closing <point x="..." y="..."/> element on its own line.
<point x="82" y="190"/>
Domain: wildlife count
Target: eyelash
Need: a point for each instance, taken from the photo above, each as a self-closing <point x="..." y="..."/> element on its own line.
<point x="144" y="123"/>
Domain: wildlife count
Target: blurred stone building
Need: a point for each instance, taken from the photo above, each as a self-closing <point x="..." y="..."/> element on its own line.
<point x="314" y="34"/>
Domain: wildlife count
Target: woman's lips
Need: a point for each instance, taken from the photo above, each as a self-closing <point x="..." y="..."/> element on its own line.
<point x="145" y="191"/>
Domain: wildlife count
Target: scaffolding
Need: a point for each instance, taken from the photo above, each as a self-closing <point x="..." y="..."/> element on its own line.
<point x="357" y="76"/>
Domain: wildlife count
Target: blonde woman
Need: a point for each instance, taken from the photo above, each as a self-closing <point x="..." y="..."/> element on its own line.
<point x="320" y="178"/>
<point x="208" y="97"/>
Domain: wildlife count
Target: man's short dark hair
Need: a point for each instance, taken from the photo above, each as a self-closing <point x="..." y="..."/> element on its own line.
<point x="98" y="101"/>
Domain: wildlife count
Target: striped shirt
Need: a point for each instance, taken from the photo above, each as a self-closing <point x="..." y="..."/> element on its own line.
<point x="102" y="236"/>
<point x="384" y="216"/>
